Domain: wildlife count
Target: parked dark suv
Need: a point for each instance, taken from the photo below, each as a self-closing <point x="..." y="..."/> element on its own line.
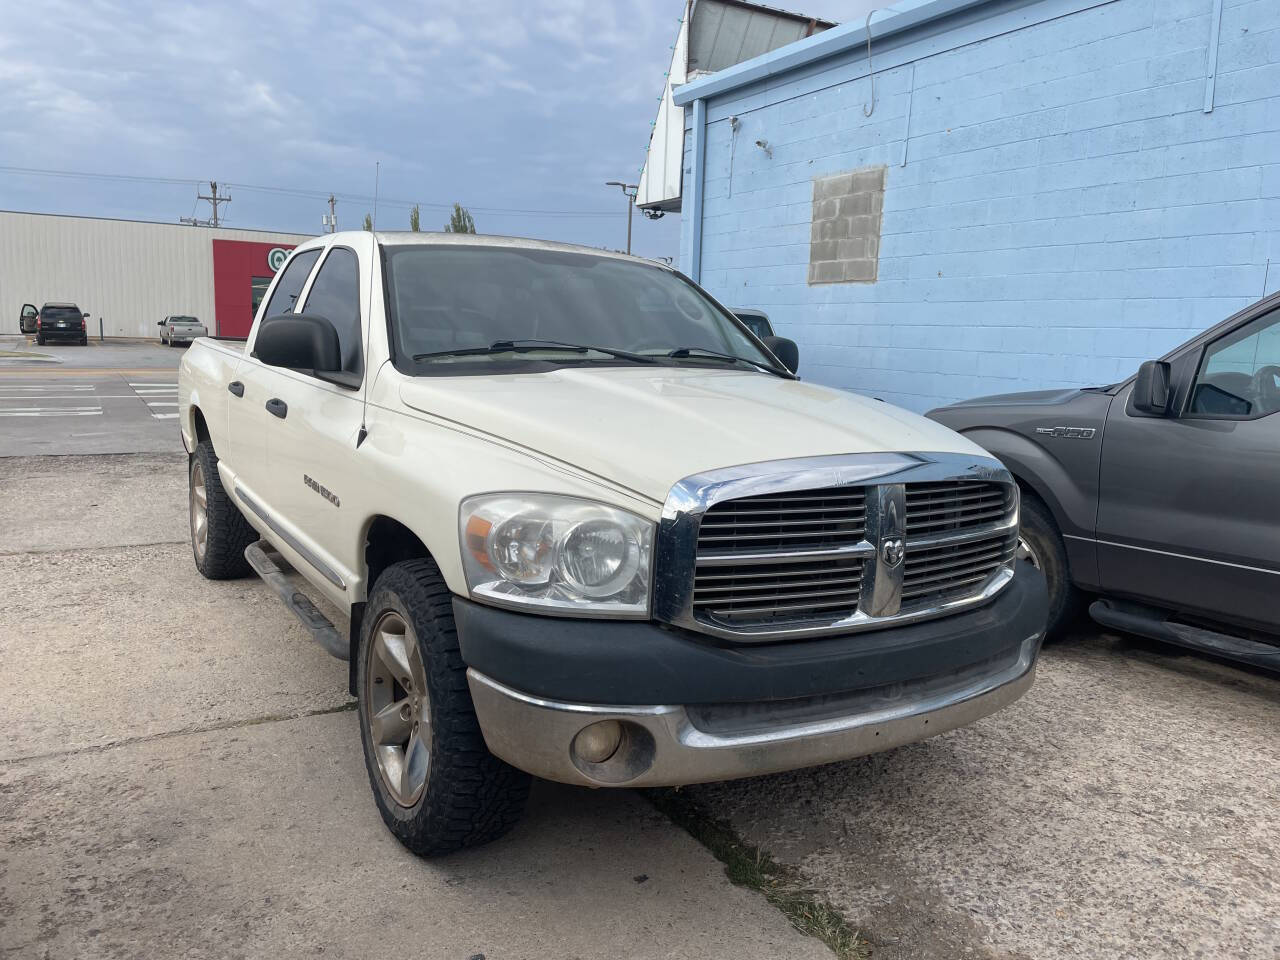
<point x="61" y="321"/>
<point x="1161" y="493"/>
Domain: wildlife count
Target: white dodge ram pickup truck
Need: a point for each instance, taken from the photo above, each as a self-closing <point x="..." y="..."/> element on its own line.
<point x="587" y="527"/>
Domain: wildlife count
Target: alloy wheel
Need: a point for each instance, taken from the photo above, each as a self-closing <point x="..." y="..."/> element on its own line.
<point x="199" y="511"/>
<point x="398" y="708"/>
<point x="1027" y="552"/>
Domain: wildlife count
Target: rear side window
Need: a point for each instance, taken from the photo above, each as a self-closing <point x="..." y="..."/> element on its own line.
<point x="291" y="282"/>
<point x="335" y="295"/>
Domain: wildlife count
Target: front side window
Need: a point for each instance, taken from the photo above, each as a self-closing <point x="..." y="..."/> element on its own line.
<point x="456" y="309"/>
<point x="1240" y="373"/>
<point x="291" y="283"/>
<point x="335" y="295"/>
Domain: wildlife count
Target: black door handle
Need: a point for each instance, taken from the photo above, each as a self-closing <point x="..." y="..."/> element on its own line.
<point x="277" y="408"/>
<point x="236" y="387"/>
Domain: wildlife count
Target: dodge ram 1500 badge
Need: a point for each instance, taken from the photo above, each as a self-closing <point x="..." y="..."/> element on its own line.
<point x="586" y="526"/>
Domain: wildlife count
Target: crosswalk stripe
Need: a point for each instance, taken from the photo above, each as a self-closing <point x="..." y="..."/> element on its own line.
<point x="155" y="403"/>
<point x="52" y="413"/>
<point x="38" y="409"/>
<point x="164" y="416"/>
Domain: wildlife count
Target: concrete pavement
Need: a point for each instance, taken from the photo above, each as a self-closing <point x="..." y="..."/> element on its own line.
<point x="181" y="775"/>
<point x="1128" y="808"/>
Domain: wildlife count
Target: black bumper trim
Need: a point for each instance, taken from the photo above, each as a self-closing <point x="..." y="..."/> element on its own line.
<point x="627" y="662"/>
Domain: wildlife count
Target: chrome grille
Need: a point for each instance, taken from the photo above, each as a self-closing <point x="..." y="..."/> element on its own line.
<point x="822" y="545"/>
<point x="953" y="505"/>
<point x="744" y="573"/>
<point x="936" y="573"/>
<point x="798" y="520"/>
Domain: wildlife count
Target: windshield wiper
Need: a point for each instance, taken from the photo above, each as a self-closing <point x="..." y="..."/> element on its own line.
<point x="702" y="353"/>
<point x="528" y="346"/>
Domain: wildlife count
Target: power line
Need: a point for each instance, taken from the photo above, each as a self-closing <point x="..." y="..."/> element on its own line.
<point x="41" y="172"/>
<point x="304" y="193"/>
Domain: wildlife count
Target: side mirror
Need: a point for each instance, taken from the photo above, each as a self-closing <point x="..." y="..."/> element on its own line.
<point x="785" y="350"/>
<point x="300" y="342"/>
<point x="1151" y="392"/>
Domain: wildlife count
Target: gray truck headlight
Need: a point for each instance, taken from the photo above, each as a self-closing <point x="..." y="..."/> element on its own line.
<point x="556" y="555"/>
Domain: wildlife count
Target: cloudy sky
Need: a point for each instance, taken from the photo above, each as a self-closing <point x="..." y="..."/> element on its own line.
<point x="503" y="105"/>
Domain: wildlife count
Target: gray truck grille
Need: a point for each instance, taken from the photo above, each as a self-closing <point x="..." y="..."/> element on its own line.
<point x="953" y="505"/>
<point x="939" y="573"/>
<point x="802" y="555"/>
<point x="771" y="556"/>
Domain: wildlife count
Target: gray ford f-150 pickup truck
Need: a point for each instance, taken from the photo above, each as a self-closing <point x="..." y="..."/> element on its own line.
<point x="1161" y="493"/>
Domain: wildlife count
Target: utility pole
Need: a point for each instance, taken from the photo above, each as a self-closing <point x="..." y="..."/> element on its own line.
<point x="630" y="190"/>
<point x="214" y="200"/>
<point x="333" y="215"/>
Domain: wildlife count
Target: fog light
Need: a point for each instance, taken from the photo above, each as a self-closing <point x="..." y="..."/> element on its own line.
<point x="598" y="742"/>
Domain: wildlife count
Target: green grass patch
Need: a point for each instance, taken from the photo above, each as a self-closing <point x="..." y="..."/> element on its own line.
<point x="748" y="866"/>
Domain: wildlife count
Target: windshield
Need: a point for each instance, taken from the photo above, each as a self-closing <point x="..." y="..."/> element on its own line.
<point x="183" y="320"/>
<point x="457" y="308"/>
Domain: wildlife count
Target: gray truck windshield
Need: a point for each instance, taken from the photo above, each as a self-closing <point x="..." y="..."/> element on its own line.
<point x="452" y="304"/>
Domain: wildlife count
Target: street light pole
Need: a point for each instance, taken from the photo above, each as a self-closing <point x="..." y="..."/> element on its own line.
<point x="630" y="190"/>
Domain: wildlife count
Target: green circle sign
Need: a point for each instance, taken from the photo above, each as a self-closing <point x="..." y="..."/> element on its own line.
<point x="276" y="258"/>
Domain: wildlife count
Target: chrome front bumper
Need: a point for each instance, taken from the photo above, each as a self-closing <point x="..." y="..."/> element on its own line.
<point x="672" y="745"/>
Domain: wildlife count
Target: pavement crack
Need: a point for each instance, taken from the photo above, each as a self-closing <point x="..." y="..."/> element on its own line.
<point x="746" y="865"/>
<point x="114" y="546"/>
<point x="347" y="707"/>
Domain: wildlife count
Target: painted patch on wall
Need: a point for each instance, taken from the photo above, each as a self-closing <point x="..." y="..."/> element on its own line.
<point x="844" y="238"/>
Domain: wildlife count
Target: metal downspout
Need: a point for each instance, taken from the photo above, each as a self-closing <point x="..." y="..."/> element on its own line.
<point x="696" y="188"/>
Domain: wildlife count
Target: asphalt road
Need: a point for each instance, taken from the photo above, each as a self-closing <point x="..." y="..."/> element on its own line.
<point x="181" y="776"/>
<point x="113" y="398"/>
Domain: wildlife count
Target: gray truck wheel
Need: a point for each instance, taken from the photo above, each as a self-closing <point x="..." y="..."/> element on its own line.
<point x="219" y="532"/>
<point x="437" y="786"/>
<point x="1040" y="544"/>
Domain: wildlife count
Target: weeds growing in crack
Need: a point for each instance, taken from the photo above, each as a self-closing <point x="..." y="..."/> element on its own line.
<point x="748" y="866"/>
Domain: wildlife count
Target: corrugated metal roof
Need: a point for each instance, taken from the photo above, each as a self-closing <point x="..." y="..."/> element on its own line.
<point x="714" y="35"/>
<point x="725" y="32"/>
<point x="899" y="18"/>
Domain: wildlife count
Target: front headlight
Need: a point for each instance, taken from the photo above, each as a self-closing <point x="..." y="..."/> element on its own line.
<point x="556" y="555"/>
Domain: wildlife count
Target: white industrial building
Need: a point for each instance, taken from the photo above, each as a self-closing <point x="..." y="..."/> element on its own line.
<point x="131" y="274"/>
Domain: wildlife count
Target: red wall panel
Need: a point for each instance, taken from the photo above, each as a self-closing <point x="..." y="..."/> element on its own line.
<point x="235" y="264"/>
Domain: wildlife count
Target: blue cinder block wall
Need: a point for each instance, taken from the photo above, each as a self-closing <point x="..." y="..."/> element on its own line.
<point x="1066" y="209"/>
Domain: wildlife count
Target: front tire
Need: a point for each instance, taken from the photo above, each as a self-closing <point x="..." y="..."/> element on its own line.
<point x="436" y="785"/>
<point x="219" y="532"/>
<point x="1040" y="544"/>
<point x="39" y="341"/>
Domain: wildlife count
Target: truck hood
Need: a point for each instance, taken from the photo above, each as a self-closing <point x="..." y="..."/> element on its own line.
<point x="1028" y="398"/>
<point x="646" y="428"/>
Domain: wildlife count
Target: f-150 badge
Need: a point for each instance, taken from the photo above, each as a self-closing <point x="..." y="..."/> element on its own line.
<point x="1070" y="433"/>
